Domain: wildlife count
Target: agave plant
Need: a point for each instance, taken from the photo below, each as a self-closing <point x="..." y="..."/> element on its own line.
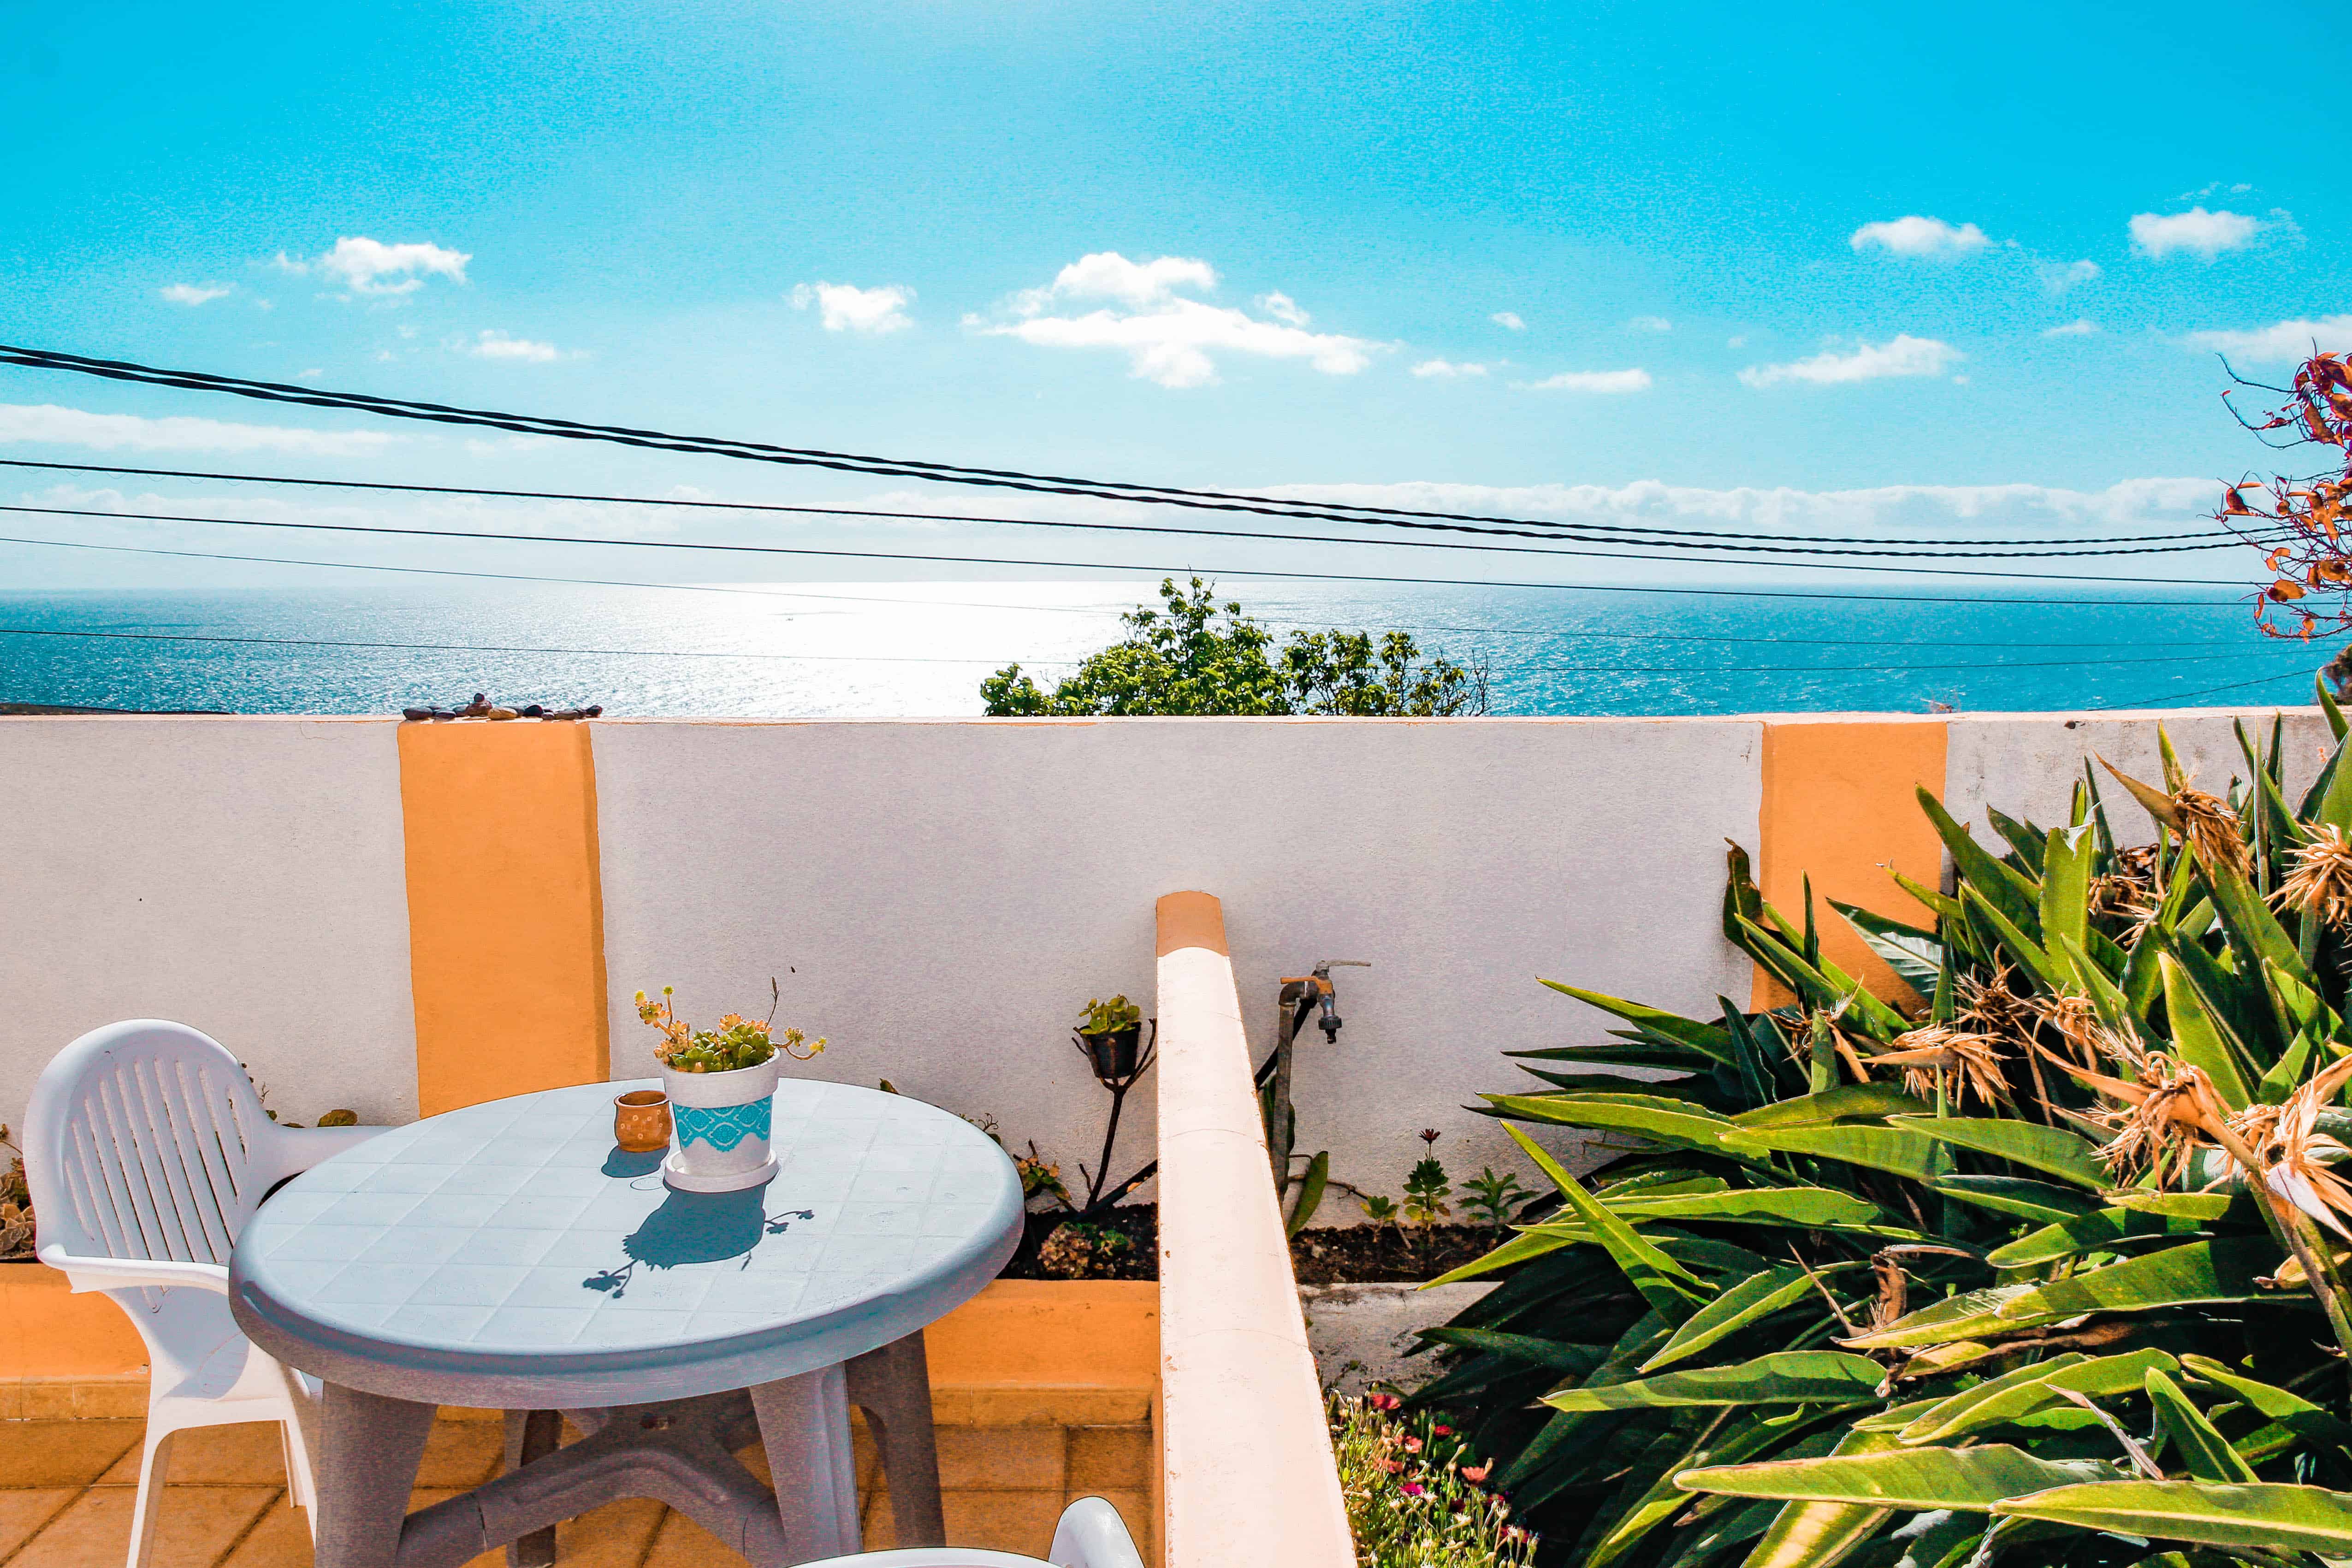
<point x="2039" y="1263"/>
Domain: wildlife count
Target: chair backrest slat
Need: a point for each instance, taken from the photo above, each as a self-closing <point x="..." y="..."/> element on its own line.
<point x="206" y="1153"/>
<point x="213" y="1213"/>
<point x="140" y="1144"/>
<point x="116" y="1120"/>
<point x="159" y="1135"/>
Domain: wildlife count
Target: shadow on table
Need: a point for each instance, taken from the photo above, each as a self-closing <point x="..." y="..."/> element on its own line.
<point x="689" y="1227"/>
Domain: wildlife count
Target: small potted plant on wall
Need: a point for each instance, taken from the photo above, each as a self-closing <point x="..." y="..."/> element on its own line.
<point x="1112" y="1034"/>
<point x="721" y="1085"/>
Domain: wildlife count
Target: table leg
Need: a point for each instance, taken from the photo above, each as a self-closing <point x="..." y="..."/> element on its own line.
<point x="893" y="1387"/>
<point x="368" y="1447"/>
<point x="532" y="1435"/>
<point x="804" y="1426"/>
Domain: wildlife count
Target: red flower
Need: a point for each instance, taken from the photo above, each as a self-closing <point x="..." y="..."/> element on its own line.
<point x="1443" y="1430"/>
<point x="1382" y="1401"/>
<point x="1412" y="1489"/>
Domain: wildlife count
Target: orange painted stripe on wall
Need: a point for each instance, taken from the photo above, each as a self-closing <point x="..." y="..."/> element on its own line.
<point x="506" y="915"/>
<point x="1839" y="805"/>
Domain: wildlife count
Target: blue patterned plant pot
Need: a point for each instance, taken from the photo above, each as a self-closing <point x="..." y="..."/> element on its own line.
<point x="722" y="1123"/>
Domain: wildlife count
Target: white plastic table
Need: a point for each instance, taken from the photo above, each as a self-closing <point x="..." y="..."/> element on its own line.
<point x="511" y="1256"/>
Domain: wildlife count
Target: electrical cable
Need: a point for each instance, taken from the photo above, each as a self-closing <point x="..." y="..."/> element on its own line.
<point x="1080" y="610"/>
<point x="1669" y="538"/>
<point x="2173" y="698"/>
<point x="490" y="648"/>
<point x="1118" y="527"/>
<point x="907" y="659"/>
<point x="997" y="478"/>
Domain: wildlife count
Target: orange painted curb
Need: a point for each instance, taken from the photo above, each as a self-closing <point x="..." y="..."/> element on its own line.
<point x="506" y="915"/>
<point x="1839" y="805"/>
<point x="50" y="1334"/>
<point x="1021" y="1352"/>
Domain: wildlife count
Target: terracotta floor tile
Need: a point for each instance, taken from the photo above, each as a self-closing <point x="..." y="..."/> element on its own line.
<point x="868" y="1456"/>
<point x="1134" y="1508"/>
<point x="616" y="1536"/>
<point x="1003" y="1521"/>
<point x="246" y="1454"/>
<point x="197" y="1525"/>
<point x="463" y="1454"/>
<point x="613" y="1536"/>
<point x="1001" y="1458"/>
<point x="873" y="1522"/>
<point x="1110" y="1456"/>
<point x="23" y="1512"/>
<point x="62" y="1453"/>
<point x="280" y="1539"/>
<point x="682" y="1543"/>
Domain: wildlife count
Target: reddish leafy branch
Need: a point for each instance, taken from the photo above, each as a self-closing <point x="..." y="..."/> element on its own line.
<point x="2299" y="524"/>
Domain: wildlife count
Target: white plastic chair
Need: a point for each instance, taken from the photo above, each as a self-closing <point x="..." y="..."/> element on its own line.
<point x="1090" y="1535"/>
<point x="147" y="1150"/>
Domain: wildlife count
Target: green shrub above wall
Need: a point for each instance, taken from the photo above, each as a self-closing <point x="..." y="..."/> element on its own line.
<point x="2047" y="1271"/>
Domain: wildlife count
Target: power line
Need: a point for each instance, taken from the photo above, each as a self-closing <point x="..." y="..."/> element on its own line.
<point x="994" y="560"/>
<point x="2173" y="698"/>
<point x="1669" y="539"/>
<point x="995" y="478"/>
<point x="909" y="659"/>
<point x="1644" y="636"/>
<point x="494" y="648"/>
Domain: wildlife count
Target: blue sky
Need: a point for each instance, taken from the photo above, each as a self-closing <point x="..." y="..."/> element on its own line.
<point x="1972" y="261"/>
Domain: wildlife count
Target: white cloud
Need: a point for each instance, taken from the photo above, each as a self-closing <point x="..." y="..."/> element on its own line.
<point x="1168" y="339"/>
<point x="372" y="268"/>
<point x="1282" y="309"/>
<point x="492" y="344"/>
<point x="1509" y="320"/>
<point x="1447" y="369"/>
<point x="1903" y="355"/>
<point x="2201" y="234"/>
<point x="1107" y="275"/>
<point x="1918" y="237"/>
<point x="1605" y="382"/>
<point x="845" y="307"/>
<point x="2058" y="276"/>
<point x="1650" y="324"/>
<point x="2286" y="341"/>
<point x="53" y="425"/>
<point x="1924" y="511"/>
<point x="195" y="293"/>
<point x="2084" y="328"/>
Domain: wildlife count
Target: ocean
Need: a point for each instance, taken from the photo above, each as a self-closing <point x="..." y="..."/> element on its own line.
<point x="901" y="649"/>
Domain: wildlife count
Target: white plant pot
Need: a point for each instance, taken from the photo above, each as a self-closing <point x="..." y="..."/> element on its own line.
<point x="720" y="1124"/>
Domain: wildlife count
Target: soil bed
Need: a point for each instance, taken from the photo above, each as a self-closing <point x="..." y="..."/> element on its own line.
<point x="1355" y="1255"/>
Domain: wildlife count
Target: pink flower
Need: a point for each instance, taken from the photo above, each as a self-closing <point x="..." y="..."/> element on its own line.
<point x="1382" y="1401"/>
<point x="1477" y="1472"/>
<point x="1412" y="1489"/>
<point x="1413" y="1445"/>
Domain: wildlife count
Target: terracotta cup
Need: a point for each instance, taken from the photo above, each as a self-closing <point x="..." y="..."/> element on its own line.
<point x="641" y="1121"/>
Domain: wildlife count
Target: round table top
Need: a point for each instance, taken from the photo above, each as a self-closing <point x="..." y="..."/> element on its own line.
<point x="511" y="1255"/>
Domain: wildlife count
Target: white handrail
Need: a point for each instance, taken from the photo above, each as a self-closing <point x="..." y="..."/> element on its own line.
<point x="1246" y="1453"/>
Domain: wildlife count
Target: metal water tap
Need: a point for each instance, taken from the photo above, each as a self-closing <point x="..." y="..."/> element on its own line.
<point x="1300" y="997"/>
<point x="1328" y="997"/>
